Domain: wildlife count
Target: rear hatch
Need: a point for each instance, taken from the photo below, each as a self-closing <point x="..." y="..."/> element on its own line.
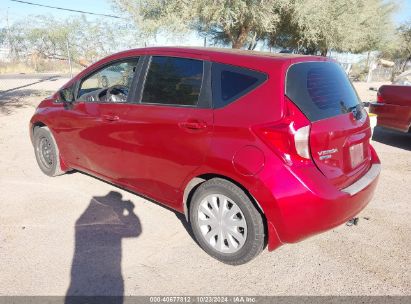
<point x="340" y="132"/>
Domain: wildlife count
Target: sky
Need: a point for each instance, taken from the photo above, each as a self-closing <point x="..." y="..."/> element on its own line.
<point x="17" y="10"/>
<point x="404" y="12"/>
<point x="13" y="11"/>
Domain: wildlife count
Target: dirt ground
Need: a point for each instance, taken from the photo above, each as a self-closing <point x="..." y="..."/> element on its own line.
<point x="60" y="234"/>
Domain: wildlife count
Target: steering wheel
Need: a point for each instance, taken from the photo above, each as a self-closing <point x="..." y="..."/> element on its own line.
<point x="117" y="93"/>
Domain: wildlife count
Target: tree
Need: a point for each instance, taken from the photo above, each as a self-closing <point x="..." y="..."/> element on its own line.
<point x="3" y="36"/>
<point x="49" y="38"/>
<point x="310" y="27"/>
<point x="13" y="38"/>
<point x="235" y="22"/>
<point x="405" y="46"/>
<point x="343" y="25"/>
<point x="398" y="48"/>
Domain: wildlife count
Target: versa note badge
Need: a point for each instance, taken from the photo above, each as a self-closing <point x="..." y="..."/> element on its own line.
<point x="325" y="154"/>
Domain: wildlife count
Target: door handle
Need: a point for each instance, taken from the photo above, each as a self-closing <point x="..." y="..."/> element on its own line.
<point x="193" y="125"/>
<point x="111" y="117"/>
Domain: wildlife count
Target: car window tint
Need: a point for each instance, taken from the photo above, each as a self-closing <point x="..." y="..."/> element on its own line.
<point x="231" y="82"/>
<point x="173" y="81"/>
<point x="320" y="89"/>
<point x="119" y="73"/>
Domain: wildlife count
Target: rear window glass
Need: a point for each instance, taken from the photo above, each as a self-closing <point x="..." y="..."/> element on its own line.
<point x="320" y="89"/>
<point x="173" y="81"/>
<point x="230" y="83"/>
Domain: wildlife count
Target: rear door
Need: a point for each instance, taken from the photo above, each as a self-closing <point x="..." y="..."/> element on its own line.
<point x="340" y="131"/>
<point x="169" y="127"/>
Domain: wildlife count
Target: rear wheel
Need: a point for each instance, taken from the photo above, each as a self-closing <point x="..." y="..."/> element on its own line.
<point x="225" y="222"/>
<point x="47" y="152"/>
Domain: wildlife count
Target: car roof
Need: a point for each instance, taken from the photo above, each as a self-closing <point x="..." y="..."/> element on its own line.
<point x="225" y="55"/>
<point x="215" y="52"/>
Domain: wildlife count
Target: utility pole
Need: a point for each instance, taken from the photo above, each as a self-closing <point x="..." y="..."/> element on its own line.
<point x="69" y="58"/>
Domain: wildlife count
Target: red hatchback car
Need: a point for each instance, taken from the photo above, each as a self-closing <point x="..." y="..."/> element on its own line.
<point x="253" y="148"/>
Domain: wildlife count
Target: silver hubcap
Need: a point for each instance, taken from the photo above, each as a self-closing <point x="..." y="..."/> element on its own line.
<point x="222" y="223"/>
<point x="44" y="151"/>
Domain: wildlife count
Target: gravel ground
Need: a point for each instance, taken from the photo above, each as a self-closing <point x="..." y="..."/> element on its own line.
<point x="49" y="242"/>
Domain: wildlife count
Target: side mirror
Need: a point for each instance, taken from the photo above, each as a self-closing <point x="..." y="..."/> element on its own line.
<point x="67" y="97"/>
<point x="373" y="89"/>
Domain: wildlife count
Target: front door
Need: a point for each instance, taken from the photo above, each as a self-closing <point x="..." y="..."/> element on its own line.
<point x="94" y="121"/>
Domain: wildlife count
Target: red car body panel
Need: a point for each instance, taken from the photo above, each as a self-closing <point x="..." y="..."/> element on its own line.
<point x="393" y="108"/>
<point x="149" y="149"/>
<point x="338" y="167"/>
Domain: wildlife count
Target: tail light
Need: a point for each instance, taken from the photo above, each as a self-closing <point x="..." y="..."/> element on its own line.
<point x="379" y="97"/>
<point x="290" y="138"/>
<point x="301" y="139"/>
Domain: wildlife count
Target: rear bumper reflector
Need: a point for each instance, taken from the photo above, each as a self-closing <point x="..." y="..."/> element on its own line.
<point x="364" y="181"/>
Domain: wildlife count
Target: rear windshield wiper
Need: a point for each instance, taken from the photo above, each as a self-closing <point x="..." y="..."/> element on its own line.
<point x="356" y="110"/>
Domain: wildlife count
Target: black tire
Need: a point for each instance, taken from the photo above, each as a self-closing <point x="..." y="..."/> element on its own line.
<point x="50" y="163"/>
<point x="255" y="239"/>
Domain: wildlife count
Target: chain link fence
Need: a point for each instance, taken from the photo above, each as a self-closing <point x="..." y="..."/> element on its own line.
<point x="381" y="74"/>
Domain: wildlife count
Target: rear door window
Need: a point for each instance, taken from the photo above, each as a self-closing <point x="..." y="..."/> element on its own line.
<point x="320" y="90"/>
<point x="173" y="81"/>
<point x="231" y="82"/>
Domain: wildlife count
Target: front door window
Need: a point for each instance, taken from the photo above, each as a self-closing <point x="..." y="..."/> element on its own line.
<point x="110" y="84"/>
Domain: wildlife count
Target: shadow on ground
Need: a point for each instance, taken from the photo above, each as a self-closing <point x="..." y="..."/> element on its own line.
<point x="11" y="101"/>
<point x="393" y="138"/>
<point x="180" y="216"/>
<point x="96" y="275"/>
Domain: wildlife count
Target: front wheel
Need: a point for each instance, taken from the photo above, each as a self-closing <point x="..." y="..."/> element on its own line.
<point x="225" y="222"/>
<point x="47" y="152"/>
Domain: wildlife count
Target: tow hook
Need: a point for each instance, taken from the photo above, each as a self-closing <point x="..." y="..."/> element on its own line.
<point x="353" y="221"/>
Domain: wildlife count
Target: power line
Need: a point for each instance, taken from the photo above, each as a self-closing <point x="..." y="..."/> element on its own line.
<point x="66" y="9"/>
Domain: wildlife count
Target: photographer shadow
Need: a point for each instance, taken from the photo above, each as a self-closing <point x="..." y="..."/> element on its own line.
<point x="96" y="268"/>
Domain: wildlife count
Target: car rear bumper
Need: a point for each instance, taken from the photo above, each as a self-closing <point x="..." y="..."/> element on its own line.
<point x="307" y="204"/>
<point x="364" y="181"/>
